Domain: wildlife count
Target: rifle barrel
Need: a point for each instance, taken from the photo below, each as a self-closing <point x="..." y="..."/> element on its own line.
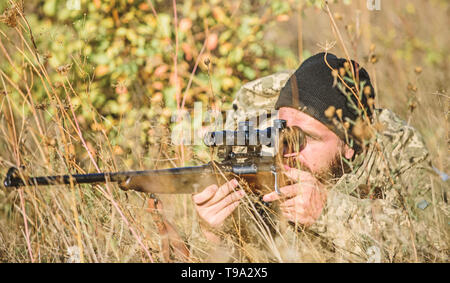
<point x="13" y="180"/>
<point x="181" y="180"/>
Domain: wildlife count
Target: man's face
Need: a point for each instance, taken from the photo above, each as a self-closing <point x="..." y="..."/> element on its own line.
<point x="323" y="149"/>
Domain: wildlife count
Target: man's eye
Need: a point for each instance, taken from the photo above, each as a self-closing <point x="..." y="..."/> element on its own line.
<point x="312" y="138"/>
<point x="293" y="140"/>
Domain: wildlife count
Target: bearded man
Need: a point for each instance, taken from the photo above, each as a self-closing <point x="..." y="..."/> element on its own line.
<point x="363" y="180"/>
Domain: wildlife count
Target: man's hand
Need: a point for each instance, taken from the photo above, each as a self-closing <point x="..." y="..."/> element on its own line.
<point x="303" y="201"/>
<point x="214" y="204"/>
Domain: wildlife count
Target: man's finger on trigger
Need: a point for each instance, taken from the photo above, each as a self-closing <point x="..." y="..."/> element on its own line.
<point x="205" y="195"/>
<point x="286" y="192"/>
<point x="290" y="191"/>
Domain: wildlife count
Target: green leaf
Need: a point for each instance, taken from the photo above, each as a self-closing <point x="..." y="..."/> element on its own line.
<point x="225" y="36"/>
<point x="249" y="73"/>
<point x="100" y="59"/>
<point x="236" y="55"/>
<point x="169" y="98"/>
<point x="50" y="7"/>
<point x="164" y="26"/>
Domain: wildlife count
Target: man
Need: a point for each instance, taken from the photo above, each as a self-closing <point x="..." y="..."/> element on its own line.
<point x="363" y="181"/>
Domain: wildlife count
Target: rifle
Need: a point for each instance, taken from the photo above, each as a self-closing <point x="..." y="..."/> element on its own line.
<point x="253" y="165"/>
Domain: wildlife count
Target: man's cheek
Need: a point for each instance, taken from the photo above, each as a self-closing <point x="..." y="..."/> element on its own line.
<point x="304" y="160"/>
<point x="311" y="154"/>
<point x="315" y="156"/>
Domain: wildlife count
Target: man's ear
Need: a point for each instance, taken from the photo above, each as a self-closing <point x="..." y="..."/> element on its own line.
<point x="348" y="152"/>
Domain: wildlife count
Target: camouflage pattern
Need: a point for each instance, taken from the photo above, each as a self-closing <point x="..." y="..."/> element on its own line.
<point x="261" y="94"/>
<point x="256" y="98"/>
<point x="390" y="207"/>
<point x="392" y="201"/>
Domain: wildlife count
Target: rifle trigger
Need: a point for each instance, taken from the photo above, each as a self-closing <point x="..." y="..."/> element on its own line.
<point x="125" y="185"/>
<point x="274" y="172"/>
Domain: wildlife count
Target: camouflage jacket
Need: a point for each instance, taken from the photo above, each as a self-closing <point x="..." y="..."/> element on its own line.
<point x="391" y="207"/>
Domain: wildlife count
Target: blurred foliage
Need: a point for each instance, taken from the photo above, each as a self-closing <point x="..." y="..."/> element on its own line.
<point x="121" y="54"/>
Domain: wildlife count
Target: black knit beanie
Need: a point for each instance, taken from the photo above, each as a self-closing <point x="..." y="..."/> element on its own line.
<point x="315" y="86"/>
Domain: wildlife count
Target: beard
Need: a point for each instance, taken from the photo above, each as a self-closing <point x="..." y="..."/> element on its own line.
<point x="336" y="169"/>
<point x="293" y="140"/>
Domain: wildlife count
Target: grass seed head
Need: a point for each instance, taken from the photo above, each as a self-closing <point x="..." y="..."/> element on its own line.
<point x="346" y="125"/>
<point x="329" y="113"/>
<point x="412" y="87"/>
<point x="9" y="17"/>
<point x="367" y="91"/>
<point x="362" y="131"/>
<point x="64" y="69"/>
<point x="338" y="16"/>
<point x="207" y="61"/>
<point x="373" y="59"/>
<point x="371" y="102"/>
<point x="334" y="73"/>
<point x="346" y="66"/>
<point x="339" y="113"/>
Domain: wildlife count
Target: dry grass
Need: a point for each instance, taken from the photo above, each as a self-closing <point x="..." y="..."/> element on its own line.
<point x="109" y="225"/>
